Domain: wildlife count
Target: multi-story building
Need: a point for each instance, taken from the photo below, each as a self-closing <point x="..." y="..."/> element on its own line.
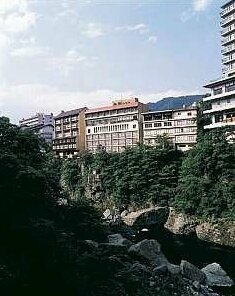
<point x="180" y="126"/>
<point x="221" y="102"/>
<point x="41" y="124"/>
<point x="69" y="136"/>
<point x="115" y="127"/>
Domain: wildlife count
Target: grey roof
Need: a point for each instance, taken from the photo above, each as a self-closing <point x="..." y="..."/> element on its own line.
<point x="69" y="113"/>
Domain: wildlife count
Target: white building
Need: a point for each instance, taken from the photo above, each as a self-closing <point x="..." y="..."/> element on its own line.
<point x="41" y="124"/>
<point x="114" y="127"/>
<point x="180" y="126"/>
<point x="221" y="102"/>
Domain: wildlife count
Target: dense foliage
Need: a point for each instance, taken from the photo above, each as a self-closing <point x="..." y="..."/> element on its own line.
<point x="207" y="178"/>
<point x="137" y="176"/>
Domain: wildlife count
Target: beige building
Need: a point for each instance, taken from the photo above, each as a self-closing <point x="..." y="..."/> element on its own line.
<point x="69" y="136"/>
<point x="221" y="102"/>
<point x="180" y="126"/>
<point x="114" y="127"/>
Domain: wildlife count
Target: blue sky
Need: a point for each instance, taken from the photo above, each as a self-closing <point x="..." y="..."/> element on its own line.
<point x="64" y="54"/>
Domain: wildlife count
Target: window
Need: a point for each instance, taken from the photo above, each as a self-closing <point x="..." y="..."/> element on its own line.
<point x="157" y="124"/>
<point x="228" y="101"/>
<point x="189" y="113"/>
<point x="134" y="125"/>
<point x="179" y="113"/>
<point x="218" y="102"/>
<point x="148" y="125"/>
<point x="217" y="90"/>
<point x="88" y="131"/>
<point x="230" y="86"/>
<point x="167" y="123"/>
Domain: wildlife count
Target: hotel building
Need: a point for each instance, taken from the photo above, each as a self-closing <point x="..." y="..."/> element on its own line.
<point x="180" y="126"/>
<point x="41" y="124"/>
<point x="69" y="136"/>
<point x="221" y="103"/>
<point x="114" y="127"/>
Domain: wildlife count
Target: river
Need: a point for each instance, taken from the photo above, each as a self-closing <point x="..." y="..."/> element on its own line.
<point x="198" y="252"/>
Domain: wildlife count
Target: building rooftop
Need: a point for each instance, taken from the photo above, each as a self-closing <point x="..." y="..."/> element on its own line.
<point x="219" y="80"/>
<point x="69" y="113"/>
<point x="187" y="108"/>
<point x="116" y="105"/>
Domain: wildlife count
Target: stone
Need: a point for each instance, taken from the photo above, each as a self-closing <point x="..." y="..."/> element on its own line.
<point x="149" y="249"/>
<point x="191" y="272"/>
<point x="216" y="276"/>
<point x="160" y="269"/>
<point x="221" y="232"/>
<point x="145" y="217"/>
<point x="118" y="239"/>
<point x="124" y="213"/>
<point x="173" y="269"/>
<point x="107" y="214"/>
<point x="179" y="223"/>
<point x="92" y="243"/>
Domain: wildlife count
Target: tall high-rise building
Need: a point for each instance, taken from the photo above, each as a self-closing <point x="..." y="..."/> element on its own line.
<point x="41" y="124"/>
<point x="220" y="105"/>
<point x="114" y="127"/>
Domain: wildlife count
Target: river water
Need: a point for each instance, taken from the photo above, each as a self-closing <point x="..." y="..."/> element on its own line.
<point x="190" y="248"/>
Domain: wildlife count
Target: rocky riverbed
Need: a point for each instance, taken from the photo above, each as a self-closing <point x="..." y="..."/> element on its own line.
<point x="144" y="265"/>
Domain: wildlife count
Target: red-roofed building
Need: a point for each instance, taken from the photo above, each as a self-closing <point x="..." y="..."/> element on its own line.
<point x="115" y="127"/>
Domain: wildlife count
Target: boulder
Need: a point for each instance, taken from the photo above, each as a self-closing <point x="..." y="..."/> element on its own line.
<point x="216" y="276"/>
<point x="146" y="217"/>
<point x="221" y="232"/>
<point x="173" y="269"/>
<point x="179" y="223"/>
<point x="191" y="272"/>
<point x="118" y="239"/>
<point x="160" y="269"/>
<point x="151" y="250"/>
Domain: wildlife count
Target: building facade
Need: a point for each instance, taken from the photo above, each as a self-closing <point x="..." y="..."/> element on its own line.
<point x="116" y="127"/>
<point x="180" y="126"/>
<point x="220" y="105"/>
<point x="41" y="124"/>
<point x="69" y="135"/>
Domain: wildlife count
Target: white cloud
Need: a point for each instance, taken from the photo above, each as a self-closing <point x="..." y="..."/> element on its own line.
<point x="17" y="22"/>
<point x="24" y="100"/>
<point x="30" y="51"/>
<point x="10" y="5"/>
<point x="67" y="63"/>
<point x="152" y="39"/>
<point x="140" y="28"/>
<point x="93" y="30"/>
<point x="200" y="5"/>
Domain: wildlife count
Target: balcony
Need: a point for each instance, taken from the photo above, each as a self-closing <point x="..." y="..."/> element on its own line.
<point x="228" y="30"/>
<point x="228" y="40"/>
<point x="227" y="10"/>
<point x="227" y="20"/>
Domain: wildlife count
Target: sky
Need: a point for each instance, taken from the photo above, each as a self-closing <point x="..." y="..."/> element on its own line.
<point x="65" y="54"/>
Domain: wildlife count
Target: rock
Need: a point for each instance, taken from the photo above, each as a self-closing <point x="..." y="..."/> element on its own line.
<point x="216" y="276"/>
<point x="118" y="239"/>
<point x="146" y="217"/>
<point x="173" y="269"/>
<point x="180" y="223"/>
<point x="107" y="214"/>
<point x="160" y="269"/>
<point x="220" y="232"/>
<point x="149" y="249"/>
<point x="191" y="272"/>
<point x="138" y="268"/>
<point x="124" y="213"/>
<point x="92" y="243"/>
